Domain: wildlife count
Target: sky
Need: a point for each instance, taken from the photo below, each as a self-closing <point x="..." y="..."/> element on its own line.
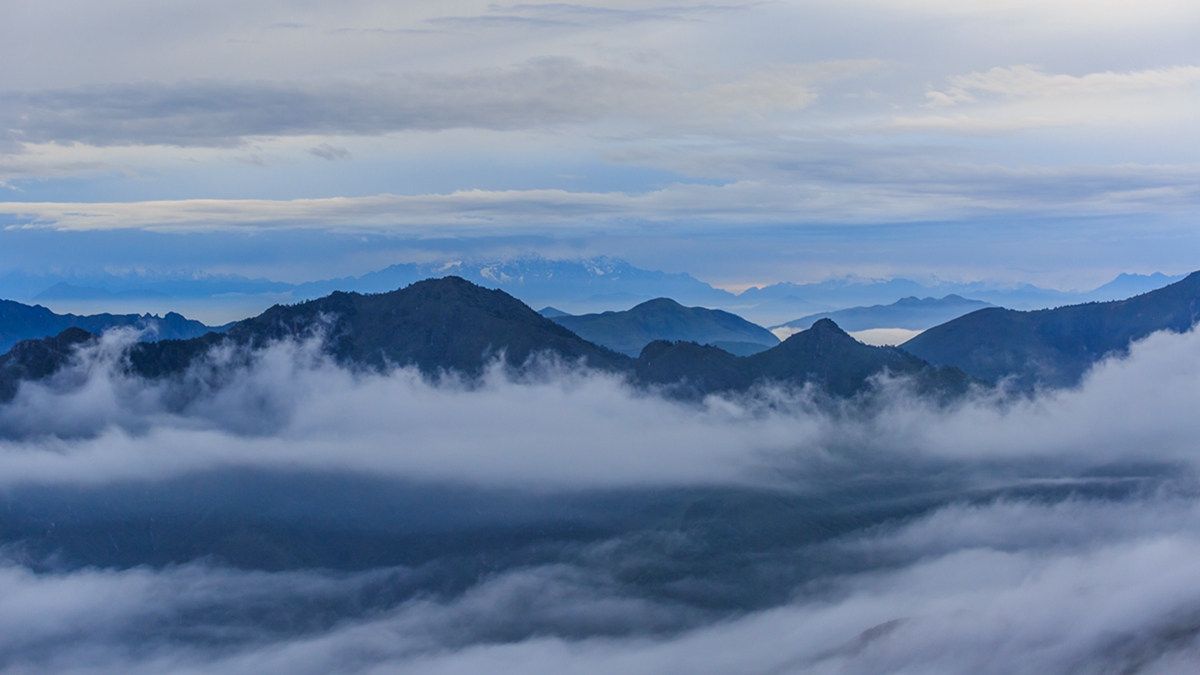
<point x="746" y="143"/>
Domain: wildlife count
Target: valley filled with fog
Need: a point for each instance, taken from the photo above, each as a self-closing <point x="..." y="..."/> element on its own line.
<point x="273" y="511"/>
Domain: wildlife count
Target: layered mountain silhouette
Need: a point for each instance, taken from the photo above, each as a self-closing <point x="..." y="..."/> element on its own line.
<point x="39" y="359"/>
<point x="853" y="291"/>
<point x="450" y="325"/>
<point x="909" y="313"/>
<point x="437" y="325"/>
<point x="823" y="355"/>
<point x="1055" y="347"/>
<point x="586" y="282"/>
<point x="664" y="319"/>
<point x="28" y="322"/>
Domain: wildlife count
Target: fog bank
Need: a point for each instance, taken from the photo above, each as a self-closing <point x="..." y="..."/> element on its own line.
<point x="563" y="427"/>
<point x="278" y="513"/>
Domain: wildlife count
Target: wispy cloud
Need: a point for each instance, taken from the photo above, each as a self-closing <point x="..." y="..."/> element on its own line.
<point x="1031" y="82"/>
<point x="329" y="152"/>
<point x="946" y="191"/>
<point x="539" y="94"/>
<point x="291" y="407"/>
<point x="1020" y="98"/>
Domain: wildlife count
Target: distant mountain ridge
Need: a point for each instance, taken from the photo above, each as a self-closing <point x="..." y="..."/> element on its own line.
<point x="1055" y="347"/>
<point x="537" y="281"/>
<point x="578" y="286"/>
<point x="664" y="319"/>
<point x="26" y="322"/>
<point x="451" y="325"/>
<point x="853" y="291"/>
<point x="454" y="325"/>
<point x="910" y="313"/>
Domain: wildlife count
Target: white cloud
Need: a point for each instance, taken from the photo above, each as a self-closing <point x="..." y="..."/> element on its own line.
<point x="947" y="191"/>
<point x="885" y="336"/>
<point x="1031" y="82"/>
<point x="1022" y="98"/>
<point x="284" y="412"/>
<point x="294" y="408"/>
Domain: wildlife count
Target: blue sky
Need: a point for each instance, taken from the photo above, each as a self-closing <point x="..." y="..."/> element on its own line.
<point x="746" y="143"/>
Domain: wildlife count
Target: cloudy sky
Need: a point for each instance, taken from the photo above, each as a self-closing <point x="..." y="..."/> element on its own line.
<point x="743" y="142"/>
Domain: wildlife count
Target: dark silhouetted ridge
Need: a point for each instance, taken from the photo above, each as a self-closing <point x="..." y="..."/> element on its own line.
<point x="38" y="359"/>
<point x="451" y="325"/>
<point x="1055" y="347"/>
<point x="824" y="355"/>
<point x="664" y="319"/>
<point x="909" y="313"/>
<point x="436" y="325"/>
<point x="33" y="322"/>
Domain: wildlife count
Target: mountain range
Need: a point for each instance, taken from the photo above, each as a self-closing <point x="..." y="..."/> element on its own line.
<point x="908" y="313"/>
<point x="441" y="326"/>
<point x="24" y="322"/>
<point x="854" y="291"/>
<point x="580" y="286"/>
<point x="451" y="325"/>
<point x="1055" y="347"/>
<point x="664" y="319"/>
<point x="824" y="355"/>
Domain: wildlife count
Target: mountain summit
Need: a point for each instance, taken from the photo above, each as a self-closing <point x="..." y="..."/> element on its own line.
<point x="664" y="319"/>
<point x="437" y="325"/>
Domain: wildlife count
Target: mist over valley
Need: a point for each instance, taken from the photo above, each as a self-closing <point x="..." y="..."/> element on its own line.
<point x="285" y="486"/>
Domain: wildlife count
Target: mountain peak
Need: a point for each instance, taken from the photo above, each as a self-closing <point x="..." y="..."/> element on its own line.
<point x="437" y="325"/>
<point x="827" y="325"/>
<point x="822" y="331"/>
<point x="665" y="319"/>
<point x="657" y="304"/>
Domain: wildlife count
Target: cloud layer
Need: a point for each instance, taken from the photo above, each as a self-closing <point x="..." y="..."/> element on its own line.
<point x="611" y="529"/>
<point x="996" y="591"/>
<point x="598" y="125"/>
<point x="677" y="209"/>
<point x="290" y="406"/>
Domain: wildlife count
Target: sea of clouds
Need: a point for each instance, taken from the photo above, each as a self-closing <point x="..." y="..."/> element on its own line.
<point x="1001" y="533"/>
